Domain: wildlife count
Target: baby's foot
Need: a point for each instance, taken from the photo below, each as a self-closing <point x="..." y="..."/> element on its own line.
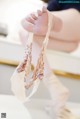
<point x="37" y="24"/>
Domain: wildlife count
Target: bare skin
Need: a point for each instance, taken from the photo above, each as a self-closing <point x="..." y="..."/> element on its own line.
<point x="38" y="25"/>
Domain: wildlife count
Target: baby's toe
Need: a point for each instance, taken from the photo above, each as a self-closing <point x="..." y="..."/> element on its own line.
<point x="31" y="20"/>
<point x="44" y="9"/>
<point x="34" y="16"/>
<point x="39" y="12"/>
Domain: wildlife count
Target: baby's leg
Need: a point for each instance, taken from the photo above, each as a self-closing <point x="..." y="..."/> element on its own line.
<point x="53" y="44"/>
<point x="65" y="25"/>
<point x="62" y="37"/>
<point x="70" y="28"/>
<point x="58" y="45"/>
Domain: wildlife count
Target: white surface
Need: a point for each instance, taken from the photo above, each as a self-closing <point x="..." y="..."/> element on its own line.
<point x="64" y="62"/>
<point x="41" y="104"/>
<point x="15" y="110"/>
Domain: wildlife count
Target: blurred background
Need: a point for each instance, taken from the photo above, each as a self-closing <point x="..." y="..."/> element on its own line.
<point x="65" y="66"/>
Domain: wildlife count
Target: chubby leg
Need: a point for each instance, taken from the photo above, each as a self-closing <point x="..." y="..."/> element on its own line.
<point x="54" y="44"/>
<point x="58" y="45"/>
<point x="62" y="37"/>
<point x="70" y="28"/>
<point x="65" y="25"/>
